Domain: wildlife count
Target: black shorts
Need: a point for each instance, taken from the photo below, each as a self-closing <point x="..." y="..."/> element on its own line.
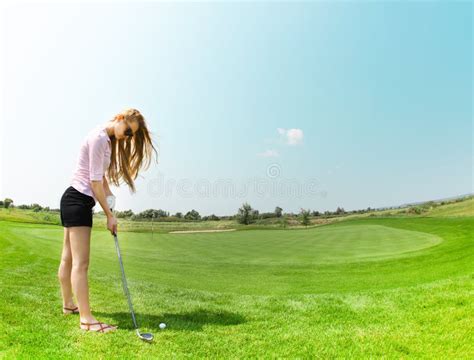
<point x="76" y="208"/>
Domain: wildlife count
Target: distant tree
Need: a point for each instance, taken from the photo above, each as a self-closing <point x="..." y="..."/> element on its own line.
<point x="211" y="217"/>
<point x="153" y="213"/>
<point x="7" y="203"/>
<point x="36" y="207"/>
<point x="316" y="213"/>
<point x="278" y="211"/>
<point x="246" y="215"/>
<point x="124" y="214"/>
<point x="304" y="217"/>
<point x="267" y="215"/>
<point x="179" y="215"/>
<point x="340" y="211"/>
<point x="160" y="214"/>
<point x="192" y="215"/>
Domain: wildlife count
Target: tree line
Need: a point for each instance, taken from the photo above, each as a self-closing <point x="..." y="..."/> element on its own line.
<point x="245" y="214"/>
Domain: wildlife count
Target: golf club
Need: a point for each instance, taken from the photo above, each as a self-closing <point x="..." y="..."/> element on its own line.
<point x="144" y="336"/>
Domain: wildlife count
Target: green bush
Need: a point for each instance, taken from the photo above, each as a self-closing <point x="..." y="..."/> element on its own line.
<point x="416" y="210"/>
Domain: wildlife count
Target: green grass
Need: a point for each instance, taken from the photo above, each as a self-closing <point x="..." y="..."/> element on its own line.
<point x="394" y="287"/>
<point x="462" y="208"/>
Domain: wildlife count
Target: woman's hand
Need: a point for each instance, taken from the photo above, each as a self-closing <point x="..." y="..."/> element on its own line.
<point x="112" y="224"/>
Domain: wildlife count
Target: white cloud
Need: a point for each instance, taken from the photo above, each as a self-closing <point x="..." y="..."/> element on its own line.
<point x="268" y="153"/>
<point x="292" y="136"/>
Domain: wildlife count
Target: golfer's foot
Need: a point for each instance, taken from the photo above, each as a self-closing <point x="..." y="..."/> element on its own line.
<point x="70" y="309"/>
<point x="94" y="325"/>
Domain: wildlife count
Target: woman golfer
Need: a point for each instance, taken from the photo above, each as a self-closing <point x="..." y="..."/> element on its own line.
<point x="116" y="150"/>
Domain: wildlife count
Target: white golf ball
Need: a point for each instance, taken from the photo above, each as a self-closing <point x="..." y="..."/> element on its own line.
<point x="162" y="325"/>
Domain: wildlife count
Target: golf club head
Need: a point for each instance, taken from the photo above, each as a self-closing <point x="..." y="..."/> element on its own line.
<point x="145" y="336"/>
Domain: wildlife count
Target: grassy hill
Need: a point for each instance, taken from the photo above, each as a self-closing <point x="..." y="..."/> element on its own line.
<point x="462" y="208"/>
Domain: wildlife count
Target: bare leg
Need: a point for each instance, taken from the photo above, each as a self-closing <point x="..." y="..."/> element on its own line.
<point x="80" y="247"/>
<point x="64" y="273"/>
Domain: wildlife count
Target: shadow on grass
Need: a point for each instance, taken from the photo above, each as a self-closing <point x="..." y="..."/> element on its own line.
<point x="189" y="321"/>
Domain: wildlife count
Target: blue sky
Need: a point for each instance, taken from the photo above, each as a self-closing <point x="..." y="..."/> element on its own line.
<point x="333" y="104"/>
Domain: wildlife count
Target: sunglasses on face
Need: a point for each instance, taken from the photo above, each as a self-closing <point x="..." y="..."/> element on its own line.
<point x="128" y="131"/>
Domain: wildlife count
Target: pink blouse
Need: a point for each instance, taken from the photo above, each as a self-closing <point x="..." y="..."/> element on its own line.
<point x="93" y="160"/>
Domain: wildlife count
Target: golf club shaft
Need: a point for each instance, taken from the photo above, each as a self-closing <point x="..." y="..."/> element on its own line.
<point x="124" y="283"/>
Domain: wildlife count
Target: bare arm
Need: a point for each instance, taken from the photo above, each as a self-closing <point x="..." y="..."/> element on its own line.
<point x="98" y="187"/>
<point x="106" y="187"/>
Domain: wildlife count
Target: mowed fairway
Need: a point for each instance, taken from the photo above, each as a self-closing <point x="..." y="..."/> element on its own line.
<point x="394" y="287"/>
